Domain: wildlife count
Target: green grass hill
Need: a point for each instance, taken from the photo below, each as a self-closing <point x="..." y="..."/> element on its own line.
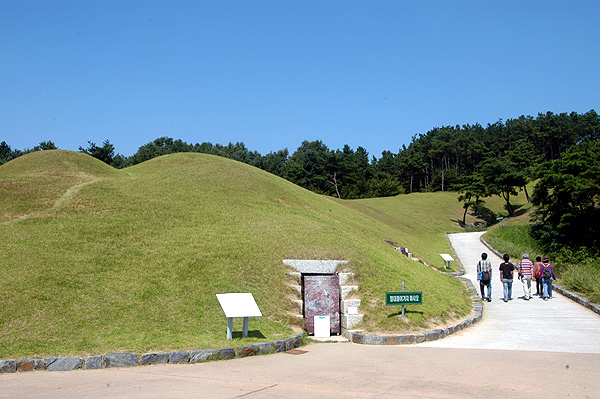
<point x="96" y="260"/>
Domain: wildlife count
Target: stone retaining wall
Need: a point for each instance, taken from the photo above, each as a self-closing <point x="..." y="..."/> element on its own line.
<point x="131" y="359"/>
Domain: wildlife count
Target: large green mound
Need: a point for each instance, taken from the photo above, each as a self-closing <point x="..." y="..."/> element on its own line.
<point x="34" y="183"/>
<point x="96" y="260"/>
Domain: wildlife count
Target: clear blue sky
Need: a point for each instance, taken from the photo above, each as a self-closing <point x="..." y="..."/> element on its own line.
<point x="274" y="73"/>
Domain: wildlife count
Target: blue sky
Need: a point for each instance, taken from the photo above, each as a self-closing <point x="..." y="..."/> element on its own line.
<point x="274" y="73"/>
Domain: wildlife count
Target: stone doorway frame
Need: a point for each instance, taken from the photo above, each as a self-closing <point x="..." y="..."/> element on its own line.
<point x="349" y="307"/>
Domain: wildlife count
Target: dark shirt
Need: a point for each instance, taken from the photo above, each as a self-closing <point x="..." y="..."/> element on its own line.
<point x="507" y="269"/>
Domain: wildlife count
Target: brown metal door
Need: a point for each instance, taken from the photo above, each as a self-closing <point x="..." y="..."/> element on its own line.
<point x="322" y="298"/>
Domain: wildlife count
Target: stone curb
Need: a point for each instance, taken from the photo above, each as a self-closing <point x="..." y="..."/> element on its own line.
<point x="594" y="307"/>
<point x="462" y="269"/>
<point x="515" y="264"/>
<point x="132" y="359"/>
<point x="430" y="335"/>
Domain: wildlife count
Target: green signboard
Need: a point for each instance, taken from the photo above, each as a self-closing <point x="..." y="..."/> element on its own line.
<point x="403" y="298"/>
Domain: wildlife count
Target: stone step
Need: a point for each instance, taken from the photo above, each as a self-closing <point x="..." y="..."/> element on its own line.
<point x="347" y="290"/>
<point x="345" y="277"/>
<point x="298" y="305"/>
<point x="349" y="303"/>
<point x="295" y="277"/>
<point x="297" y="288"/>
<point x="349" y="321"/>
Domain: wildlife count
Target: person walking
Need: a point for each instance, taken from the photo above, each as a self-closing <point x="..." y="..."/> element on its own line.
<point x="507" y="270"/>
<point x="484" y="275"/>
<point x="525" y="273"/>
<point x="537" y="270"/>
<point x="547" y="273"/>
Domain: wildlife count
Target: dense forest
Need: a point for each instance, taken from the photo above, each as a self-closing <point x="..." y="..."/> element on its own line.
<point x="560" y="151"/>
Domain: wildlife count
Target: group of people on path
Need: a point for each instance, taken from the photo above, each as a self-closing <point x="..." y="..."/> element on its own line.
<point x="541" y="272"/>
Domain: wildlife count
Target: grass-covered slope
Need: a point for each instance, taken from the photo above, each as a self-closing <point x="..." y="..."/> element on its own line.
<point x="35" y="183"/>
<point x="96" y="260"/>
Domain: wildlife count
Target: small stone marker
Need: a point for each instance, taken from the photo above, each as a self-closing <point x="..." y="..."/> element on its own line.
<point x="202" y="355"/>
<point x="120" y="360"/>
<point x="154" y="358"/>
<point x="92" y="362"/>
<point x="179" y="357"/>
<point x="8" y="366"/>
<point x="64" y="363"/>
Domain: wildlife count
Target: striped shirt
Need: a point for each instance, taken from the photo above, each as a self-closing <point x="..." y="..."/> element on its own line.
<point x="525" y="267"/>
<point x="484" y="265"/>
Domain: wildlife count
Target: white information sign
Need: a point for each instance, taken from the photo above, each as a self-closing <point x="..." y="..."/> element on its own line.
<point x="447" y="259"/>
<point x="238" y="305"/>
<point x="322" y="327"/>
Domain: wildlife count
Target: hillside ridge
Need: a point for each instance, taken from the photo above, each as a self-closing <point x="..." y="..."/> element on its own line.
<point x="132" y="259"/>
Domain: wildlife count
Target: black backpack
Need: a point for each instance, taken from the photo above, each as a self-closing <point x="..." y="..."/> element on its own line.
<point x="485" y="275"/>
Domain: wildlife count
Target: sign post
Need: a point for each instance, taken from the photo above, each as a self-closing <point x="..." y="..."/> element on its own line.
<point x="238" y="305"/>
<point x="403" y="298"/>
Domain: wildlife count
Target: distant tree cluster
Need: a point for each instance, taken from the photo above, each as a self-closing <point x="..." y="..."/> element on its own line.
<point x="343" y="173"/>
<point x="558" y="150"/>
<point x="496" y="160"/>
<point x="567" y="197"/>
<point x="7" y="153"/>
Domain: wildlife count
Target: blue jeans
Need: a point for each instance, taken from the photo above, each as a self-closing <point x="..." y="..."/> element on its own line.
<point x="547" y="283"/>
<point x="507" y="283"/>
<point x="482" y="286"/>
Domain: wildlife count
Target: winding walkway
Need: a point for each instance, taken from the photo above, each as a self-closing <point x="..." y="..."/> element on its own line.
<point x="558" y="325"/>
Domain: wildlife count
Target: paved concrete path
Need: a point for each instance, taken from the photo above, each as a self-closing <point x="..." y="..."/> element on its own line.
<point x="557" y="325"/>
<point x="526" y="350"/>
<point x="339" y="370"/>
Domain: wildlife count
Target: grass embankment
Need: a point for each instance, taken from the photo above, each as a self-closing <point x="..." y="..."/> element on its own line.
<point x="576" y="270"/>
<point x="96" y="260"/>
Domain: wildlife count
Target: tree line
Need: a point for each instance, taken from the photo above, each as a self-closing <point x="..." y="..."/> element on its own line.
<point x="7" y="153"/>
<point x="476" y="161"/>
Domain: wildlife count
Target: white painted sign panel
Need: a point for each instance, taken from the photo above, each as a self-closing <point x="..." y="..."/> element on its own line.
<point x="239" y="305"/>
<point x="447" y="257"/>
<point x="322" y="327"/>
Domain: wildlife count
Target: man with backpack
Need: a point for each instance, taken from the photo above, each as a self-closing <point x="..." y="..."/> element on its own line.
<point x="547" y="273"/>
<point x="525" y="273"/>
<point x="537" y="269"/>
<point x="506" y="276"/>
<point x="484" y="275"/>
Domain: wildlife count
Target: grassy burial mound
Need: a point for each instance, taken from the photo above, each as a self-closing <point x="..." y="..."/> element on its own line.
<point x="96" y="260"/>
